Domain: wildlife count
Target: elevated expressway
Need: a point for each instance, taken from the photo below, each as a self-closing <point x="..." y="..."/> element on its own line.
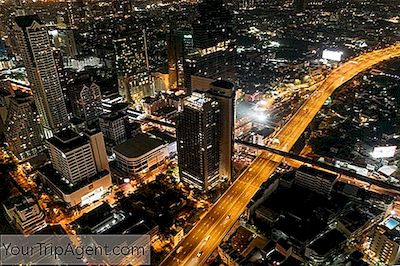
<point x="211" y="229"/>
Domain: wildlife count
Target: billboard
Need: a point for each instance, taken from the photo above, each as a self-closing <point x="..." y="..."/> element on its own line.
<point x="384" y="152"/>
<point x="332" y="55"/>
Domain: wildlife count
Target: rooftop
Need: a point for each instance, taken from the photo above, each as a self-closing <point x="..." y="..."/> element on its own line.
<point x="328" y="242"/>
<point x="138" y="145"/>
<point x="54" y="177"/>
<point x="95" y="216"/>
<point x="26" y="21"/>
<point x="67" y="140"/>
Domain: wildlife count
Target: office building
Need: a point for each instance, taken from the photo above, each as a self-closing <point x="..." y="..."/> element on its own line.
<point x="71" y="155"/>
<point x="314" y="179"/>
<point x="213" y="54"/>
<point x="64" y="39"/>
<point x="22" y="129"/>
<point x="224" y="93"/>
<point x="85" y="99"/>
<point x="113" y="125"/>
<point x="79" y="171"/>
<point x="132" y="65"/>
<point x="386" y="241"/>
<point x="25" y="214"/>
<point x="179" y="45"/>
<point x="37" y="55"/>
<point x="198" y="141"/>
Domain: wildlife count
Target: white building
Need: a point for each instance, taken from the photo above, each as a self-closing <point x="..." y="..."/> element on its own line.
<point x="71" y="155"/>
<point x="315" y="180"/>
<point x="142" y="153"/>
<point x="25" y="214"/>
<point x="79" y="173"/>
<point x="37" y="54"/>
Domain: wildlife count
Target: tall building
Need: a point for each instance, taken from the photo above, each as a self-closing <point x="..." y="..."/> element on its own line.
<point x="132" y="65"/>
<point x="71" y="156"/>
<point x="85" y="99"/>
<point x="198" y="134"/>
<point x="25" y="214"/>
<point x="385" y="243"/>
<point x="79" y="171"/>
<point x="224" y="93"/>
<point x="213" y="54"/>
<point x="37" y="54"/>
<point x="22" y="127"/>
<point x="179" y="45"/>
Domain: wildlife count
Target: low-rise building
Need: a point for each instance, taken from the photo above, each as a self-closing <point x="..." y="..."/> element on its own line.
<point x="386" y="241"/>
<point x="142" y="153"/>
<point x="25" y="214"/>
<point x="315" y="180"/>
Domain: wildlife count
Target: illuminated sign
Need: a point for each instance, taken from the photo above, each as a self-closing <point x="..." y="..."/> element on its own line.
<point x="384" y="152"/>
<point x="332" y="55"/>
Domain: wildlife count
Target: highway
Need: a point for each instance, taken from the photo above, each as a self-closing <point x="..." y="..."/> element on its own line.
<point x="211" y="229"/>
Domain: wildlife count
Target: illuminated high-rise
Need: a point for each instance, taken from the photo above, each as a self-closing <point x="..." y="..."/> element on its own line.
<point x="179" y="44"/>
<point x="198" y="136"/>
<point x="37" y="54"/>
<point x="131" y="63"/>
<point x="22" y="127"/>
<point x="224" y="93"/>
<point x="213" y="53"/>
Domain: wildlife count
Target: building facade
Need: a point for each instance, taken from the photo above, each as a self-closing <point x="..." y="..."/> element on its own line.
<point x="315" y="180"/>
<point x="85" y="100"/>
<point x="22" y="130"/>
<point x="131" y="62"/>
<point x="224" y="93"/>
<point x="71" y="155"/>
<point x="79" y="173"/>
<point x="141" y="154"/>
<point x="386" y="241"/>
<point x="37" y="54"/>
<point x="198" y="134"/>
<point x="25" y="214"/>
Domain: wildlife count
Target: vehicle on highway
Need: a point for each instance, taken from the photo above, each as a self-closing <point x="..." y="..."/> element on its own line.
<point x="199" y="254"/>
<point x="179" y="250"/>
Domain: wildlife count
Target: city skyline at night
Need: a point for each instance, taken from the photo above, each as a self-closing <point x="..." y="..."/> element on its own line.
<point x="204" y="132"/>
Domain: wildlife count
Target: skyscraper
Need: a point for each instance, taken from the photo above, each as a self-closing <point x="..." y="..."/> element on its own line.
<point x="37" y="54"/>
<point x="179" y="45"/>
<point x="224" y="92"/>
<point x="22" y="127"/>
<point x="131" y="62"/>
<point x="213" y="55"/>
<point x="198" y="134"/>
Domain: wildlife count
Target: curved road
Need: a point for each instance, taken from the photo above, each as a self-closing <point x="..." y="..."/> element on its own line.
<point x="211" y="229"/>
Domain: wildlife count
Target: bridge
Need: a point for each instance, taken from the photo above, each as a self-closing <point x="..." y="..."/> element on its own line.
<point x="205" y="237"/>
<point x="392" y="189"/>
